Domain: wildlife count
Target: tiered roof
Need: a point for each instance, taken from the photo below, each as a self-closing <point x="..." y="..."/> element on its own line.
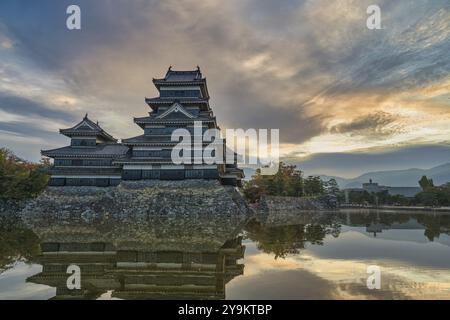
<point x="99" y="151"/>
<point x="177" y="113"/>
<point x="156" y="102"/>
<point x="87" y="127"/>
<point x="177" y="77"/>
<point x="181" y="78"/>
<point x="155" y="141"/>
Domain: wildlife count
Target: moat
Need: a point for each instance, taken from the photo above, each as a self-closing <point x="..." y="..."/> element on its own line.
<point x="304" y="255"/>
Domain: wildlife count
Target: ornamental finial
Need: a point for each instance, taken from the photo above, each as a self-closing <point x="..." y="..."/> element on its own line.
<point x="86" y="115"/>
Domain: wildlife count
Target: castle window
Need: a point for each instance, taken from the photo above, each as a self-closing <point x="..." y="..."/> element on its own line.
<point x="180" y="93"/>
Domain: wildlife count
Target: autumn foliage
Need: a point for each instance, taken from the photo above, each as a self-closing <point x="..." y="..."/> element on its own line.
<point x="20" y="179"/>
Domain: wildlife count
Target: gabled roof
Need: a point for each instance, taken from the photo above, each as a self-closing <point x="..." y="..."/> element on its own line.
<point x="176" y="108"/>
<point x="87" y="127"/>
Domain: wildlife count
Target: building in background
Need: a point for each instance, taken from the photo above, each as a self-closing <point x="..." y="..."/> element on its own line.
<point x="408" y="192"/>
<point x="374" y="188"/>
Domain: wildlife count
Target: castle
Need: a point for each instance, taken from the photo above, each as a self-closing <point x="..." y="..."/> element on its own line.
<point x="95" y="158"/>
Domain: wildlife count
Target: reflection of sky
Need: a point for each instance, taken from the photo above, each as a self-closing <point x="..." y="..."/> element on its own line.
<point x="360" y="245"/>
<point x="13" y="285"/>
<point x="412" y="267"/>
<point x="311" y="277"/>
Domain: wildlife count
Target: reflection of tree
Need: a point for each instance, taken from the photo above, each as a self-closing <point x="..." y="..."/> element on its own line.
<point x="315" y="233"/>
<point x="16" y="242"/>
<point x="388" y="219"/>
<point x="289" y="239"/>
<point x="435" y="225"/>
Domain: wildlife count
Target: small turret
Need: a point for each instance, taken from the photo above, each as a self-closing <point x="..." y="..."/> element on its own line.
<point x="87" y="134"/>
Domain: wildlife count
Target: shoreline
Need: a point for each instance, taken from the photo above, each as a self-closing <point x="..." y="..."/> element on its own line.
<point x="398" y="208"/>
<point x="87" y="198"/>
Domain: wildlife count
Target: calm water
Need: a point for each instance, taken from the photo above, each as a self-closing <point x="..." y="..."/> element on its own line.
<point x="280" y="256"/>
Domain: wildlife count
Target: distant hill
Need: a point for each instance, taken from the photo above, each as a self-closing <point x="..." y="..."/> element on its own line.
<point x="393" y="178"/>
<point x="397" y="178"/>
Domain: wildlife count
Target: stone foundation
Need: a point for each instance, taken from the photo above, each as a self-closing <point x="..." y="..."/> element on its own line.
<point x="139" y="199"/>
<point x="292" y="204"/>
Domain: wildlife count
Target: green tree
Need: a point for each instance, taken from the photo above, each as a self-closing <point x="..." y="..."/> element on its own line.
<point x="17" y="243"/>
<point x="427" y="198"/>
<point x="360" y="197"/>
<point x="426" y="183"/>
<point x="314" y="186"/>
<point x="331" y="187"/>
<point x="288" y="181"/>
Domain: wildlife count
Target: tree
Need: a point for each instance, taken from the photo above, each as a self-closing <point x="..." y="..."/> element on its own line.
<point x="20" y="179"/>
<point x="426" y="198"/>
<point x="426" y="183"/>
<point x="253" y="192"/>
<point x="314" y="186"/>
<point x="17" y="242"/>
<point x="360" y="197"/>
<point x="331" y="187"/>
<point x="288" y="181"/>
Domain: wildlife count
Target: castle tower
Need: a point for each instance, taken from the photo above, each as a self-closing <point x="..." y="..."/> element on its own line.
<point x="87" y="161"/>
<point x="94" y="158"/>
<point x="183" y="101"/>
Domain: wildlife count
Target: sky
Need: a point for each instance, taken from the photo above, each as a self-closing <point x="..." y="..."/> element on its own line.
<point x="346" y="99"/>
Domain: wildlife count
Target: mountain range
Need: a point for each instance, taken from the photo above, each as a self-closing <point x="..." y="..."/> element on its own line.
<point x="396" y="178"/>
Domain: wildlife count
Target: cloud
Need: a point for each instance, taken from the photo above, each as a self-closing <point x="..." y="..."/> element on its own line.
<point x="32" y="109"/>
<point x="355" y="163"/>
<point x="373" y="125"/>
<point x="310" y="68"/>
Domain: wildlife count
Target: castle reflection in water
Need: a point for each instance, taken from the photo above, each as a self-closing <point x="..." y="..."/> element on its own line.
<point x="133" y="274"/>
<point x="160" y="258"/>
<point x="188" y="257"/>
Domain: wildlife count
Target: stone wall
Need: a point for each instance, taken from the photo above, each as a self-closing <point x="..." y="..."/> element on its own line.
<point x="11" y="207"/>
<point x="276" y="203"/>
<point x="137" y="199"/>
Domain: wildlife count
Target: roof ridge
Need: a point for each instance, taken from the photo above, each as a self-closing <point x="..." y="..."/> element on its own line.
<point x="95" y="127"/>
